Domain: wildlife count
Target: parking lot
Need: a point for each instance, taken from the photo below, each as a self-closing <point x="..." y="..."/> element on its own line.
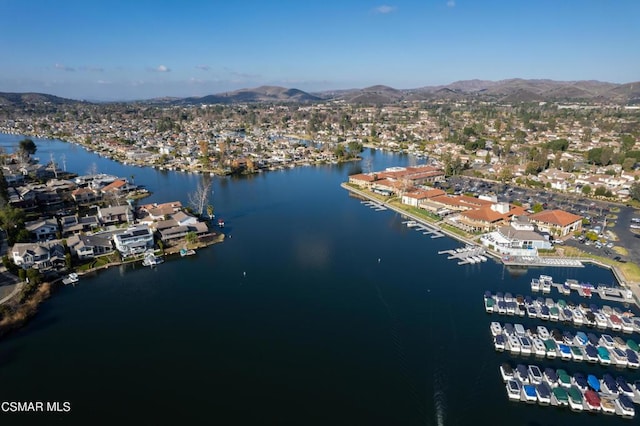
<point x="598" y="213"/>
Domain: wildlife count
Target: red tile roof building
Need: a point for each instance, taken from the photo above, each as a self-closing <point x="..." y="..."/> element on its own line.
<point x="558" y="223"/>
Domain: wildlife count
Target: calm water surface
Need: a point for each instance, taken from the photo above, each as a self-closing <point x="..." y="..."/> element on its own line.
<point x="315" y="310"/>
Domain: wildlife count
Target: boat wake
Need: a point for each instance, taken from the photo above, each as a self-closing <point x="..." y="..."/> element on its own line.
<point x="439" y="397"/>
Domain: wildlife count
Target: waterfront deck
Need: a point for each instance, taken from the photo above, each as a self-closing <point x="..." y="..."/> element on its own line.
<point x="424" y="228"/>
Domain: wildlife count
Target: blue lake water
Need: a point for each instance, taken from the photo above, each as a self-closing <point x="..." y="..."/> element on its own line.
<point x="291" y="320"/>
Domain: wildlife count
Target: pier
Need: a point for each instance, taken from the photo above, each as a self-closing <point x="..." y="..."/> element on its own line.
<point x="587" y="290"/>
<point x="467" y="256"/>
<point x="374" y="205"/>
<point x="426" y="230"/>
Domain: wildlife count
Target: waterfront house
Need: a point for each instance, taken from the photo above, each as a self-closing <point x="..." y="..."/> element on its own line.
<point x="40" y="256"/>
<point x="134" y="240"/>
<point x="558" y="223"/>
<point x="43" y="229"/>
<point x="90" y="246"/>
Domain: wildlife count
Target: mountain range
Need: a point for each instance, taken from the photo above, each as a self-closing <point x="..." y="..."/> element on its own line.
<point x="503" y="91"/>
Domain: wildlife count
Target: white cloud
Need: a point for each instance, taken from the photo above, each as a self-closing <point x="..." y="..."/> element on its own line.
<point x="385" y="9"/>
<point x="103" y="82"/>
<point x="63" y="67"/>
<point x="451" y="3"/>
<point x="203" y="67"/>
<point x="160" y="68"/>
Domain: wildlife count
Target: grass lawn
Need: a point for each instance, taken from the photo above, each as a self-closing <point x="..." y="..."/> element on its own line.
<point x="630" y="271"/>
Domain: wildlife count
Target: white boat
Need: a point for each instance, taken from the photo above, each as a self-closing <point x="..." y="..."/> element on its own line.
<point x="618" y="357"/>
<point x="150" y="259"/>
<point x="514" y="344"/>
<point x="578" y="317"/>
<point x="520" y="331"/>
<point x="543" y="393"/>
<point x="506" y="371"/>
<point x="482" y="258"/>
<point x="627" y="324"/>
<point x="513" y="390"/>
<point x="601" y="320"/>
<point x="499" y="342"/>
<point x="535" y="375"/>
<point x="525" y="345"/>
<point x="607" y="341"/>
<point x="496" y="328"/>
<point x="535" y="284"/>
<point x="72" y="278"/>
<point x="577" y="353"/>
<point x="538" y="347"/>
<point x="625" y="405"/>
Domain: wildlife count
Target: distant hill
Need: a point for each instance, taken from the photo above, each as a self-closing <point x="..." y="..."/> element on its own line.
<point x="20" y="99"/>
<point x="514" y="90"/>
<point x="258" y="94"/>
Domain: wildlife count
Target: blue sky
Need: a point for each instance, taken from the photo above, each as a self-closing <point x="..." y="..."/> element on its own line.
<point x="135" y="49"/>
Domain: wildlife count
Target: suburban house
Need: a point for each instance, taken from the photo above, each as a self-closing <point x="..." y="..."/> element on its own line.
<point x="134" y="240"/>
<point x="42" y="230"/>
<point x="38" y="255"/>
<point x="90" y="246"/>
<point x="85" y="196"/>
<point x="177" y="232"/>
<point x="558" y="223"/>
<point x="159" y="211"/>
<point x="74" y="225"/>
<point x="115" y="215"/>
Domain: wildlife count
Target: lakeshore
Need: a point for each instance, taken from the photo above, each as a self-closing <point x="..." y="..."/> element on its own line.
<point x="539" y="262"/>
<point x="304" y="317"/>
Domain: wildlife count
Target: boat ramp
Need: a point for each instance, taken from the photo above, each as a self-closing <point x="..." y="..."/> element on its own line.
<point x="375" y="206"/>
<point x="425" y="229"/>
<point x="467" y="255"/>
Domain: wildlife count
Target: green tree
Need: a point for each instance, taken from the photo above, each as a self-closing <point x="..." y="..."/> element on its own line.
<point x="191" y="237"/>
<point x="628" y="142"/>
<point x="600" y="191"/>
<point x="27" y="146"/>
<point x="635" y="191"/>
<point x="537" y="208"/>
<point x="586" y="190"/>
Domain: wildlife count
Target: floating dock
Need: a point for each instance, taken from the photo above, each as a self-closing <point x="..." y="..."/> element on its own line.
<point x="561" y="394"/>
<point x="591" y="348"/>
<point x="561" y="311"/>
<point x="467" y="255"/>
<point x="425" y="229"/>
<point x="587" y="290"/>
<point x="375" y="206"/>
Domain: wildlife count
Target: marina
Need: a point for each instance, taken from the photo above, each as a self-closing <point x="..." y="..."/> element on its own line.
<point x="593" y="348"/>
<point x="578" y="315"/>
<point x="557" y="388"/>
<point x="545" y="283"/>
